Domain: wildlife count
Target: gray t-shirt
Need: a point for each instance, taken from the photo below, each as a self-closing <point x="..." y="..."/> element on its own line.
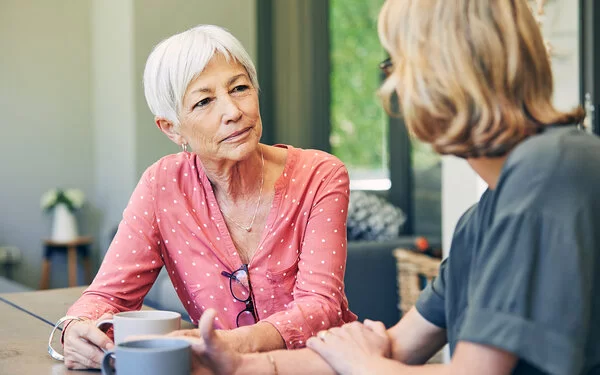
<point x="523" y="273"/>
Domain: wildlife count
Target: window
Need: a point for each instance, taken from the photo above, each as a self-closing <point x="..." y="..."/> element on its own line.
<point x="427" y="188"/>
<point x="301" y="43"/>
<point x="360" y="133"/>
<point x="359" y="125"/>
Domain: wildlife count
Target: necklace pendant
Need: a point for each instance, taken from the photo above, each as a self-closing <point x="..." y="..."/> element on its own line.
<point x="248" y="229"/>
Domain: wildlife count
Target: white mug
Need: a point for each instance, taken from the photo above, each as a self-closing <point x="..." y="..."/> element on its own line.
<point x="146" y="322"/>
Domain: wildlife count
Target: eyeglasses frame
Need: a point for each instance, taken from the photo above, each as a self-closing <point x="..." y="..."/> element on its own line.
<point x="248" y="301"/>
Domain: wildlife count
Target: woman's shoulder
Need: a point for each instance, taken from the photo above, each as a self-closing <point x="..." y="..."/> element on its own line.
<point x="466" y="228"/>
<point x="169" y="166"/>
<point x="557" y="147"/>
<point x="556" y="171"/>
<point x="312" y="160"/>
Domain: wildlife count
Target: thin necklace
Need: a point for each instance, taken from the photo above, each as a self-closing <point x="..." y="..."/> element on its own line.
<point x="262" y="182"/>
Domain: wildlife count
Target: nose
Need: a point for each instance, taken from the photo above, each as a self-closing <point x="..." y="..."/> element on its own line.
<point x="231" y="110"/>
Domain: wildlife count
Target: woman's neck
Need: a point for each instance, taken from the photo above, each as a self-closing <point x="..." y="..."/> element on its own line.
<point x="238" y="180"/>
<point x="488" y="169"/>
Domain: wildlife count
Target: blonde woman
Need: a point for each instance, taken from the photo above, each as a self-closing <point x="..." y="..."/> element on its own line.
<point x="519" y="291"/>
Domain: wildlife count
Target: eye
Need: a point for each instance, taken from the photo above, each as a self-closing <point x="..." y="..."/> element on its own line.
<point x="203" y="103"/>
<point x="241" y="88"/>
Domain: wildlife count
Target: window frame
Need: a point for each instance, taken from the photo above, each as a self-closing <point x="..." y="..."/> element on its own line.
<point x="589" y="58"/>
<point x="400" y="150"/>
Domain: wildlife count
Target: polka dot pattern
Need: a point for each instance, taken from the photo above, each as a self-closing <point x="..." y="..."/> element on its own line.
<point x="173" y="220"/>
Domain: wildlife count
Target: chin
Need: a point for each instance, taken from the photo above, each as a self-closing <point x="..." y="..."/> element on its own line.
<point x="242" y="151"/>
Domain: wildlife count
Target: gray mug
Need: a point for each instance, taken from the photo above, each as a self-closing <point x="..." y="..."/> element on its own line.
<point x="149" y="357"/>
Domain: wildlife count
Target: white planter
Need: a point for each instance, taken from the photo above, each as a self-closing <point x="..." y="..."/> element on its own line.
<point x="64" y="226"/>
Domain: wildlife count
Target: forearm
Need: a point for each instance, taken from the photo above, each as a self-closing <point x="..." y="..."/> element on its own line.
<point x="469" y="358"/>
<point x="305" y="316"/>
<point x="306" y="361"/>
<point x="260" y="337"/>
<point x="287" y="362"/>
<point x="411" y="352"/>
<point x="415" y="340"/>
<point x="91" y="305"/>
<point x="386" y="366"/>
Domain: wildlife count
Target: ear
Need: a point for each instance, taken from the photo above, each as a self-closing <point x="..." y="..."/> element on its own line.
<point x="169" y="129"/>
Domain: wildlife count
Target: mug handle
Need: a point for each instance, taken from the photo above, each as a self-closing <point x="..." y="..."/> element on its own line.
<point x="103" y="322"/>
<point x="106" y="368"/>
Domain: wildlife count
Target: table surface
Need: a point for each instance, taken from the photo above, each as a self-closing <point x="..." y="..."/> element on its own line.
<point x="26" y="322"/>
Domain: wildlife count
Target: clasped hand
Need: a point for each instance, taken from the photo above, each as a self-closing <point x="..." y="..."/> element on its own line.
<point x="350" y="348"/>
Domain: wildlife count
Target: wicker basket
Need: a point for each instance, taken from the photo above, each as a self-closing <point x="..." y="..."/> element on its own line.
<point x="414" y="271"/>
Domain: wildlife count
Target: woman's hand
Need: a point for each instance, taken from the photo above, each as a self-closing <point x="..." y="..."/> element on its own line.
<point x="83" y="343"/>
<point x="211" y="354"/>
<point x="348" y="349"/>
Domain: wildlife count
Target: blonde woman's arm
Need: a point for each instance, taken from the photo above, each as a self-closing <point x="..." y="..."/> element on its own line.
<point x="413" y="340"/>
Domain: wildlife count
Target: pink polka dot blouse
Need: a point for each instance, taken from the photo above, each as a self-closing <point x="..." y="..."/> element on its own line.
<point x="173" y="220"/>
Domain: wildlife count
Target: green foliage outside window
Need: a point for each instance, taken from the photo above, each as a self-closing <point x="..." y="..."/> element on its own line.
<point x="359" y="134"/>
<point x="359" y="123"/>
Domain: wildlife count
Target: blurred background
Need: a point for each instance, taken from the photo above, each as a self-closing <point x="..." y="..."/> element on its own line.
<point x="73" y="113"/>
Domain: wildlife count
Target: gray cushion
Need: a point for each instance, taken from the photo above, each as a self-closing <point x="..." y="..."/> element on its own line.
<point x="370" y="279"/>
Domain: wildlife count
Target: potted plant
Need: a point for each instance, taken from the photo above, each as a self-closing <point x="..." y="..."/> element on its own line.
<point x="63" y="203"/>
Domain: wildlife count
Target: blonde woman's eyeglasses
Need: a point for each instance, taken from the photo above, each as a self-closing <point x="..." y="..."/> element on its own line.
<point x="387" y="66"/>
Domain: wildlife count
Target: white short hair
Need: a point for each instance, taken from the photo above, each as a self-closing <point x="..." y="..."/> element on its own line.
<point x="177" y="60"/>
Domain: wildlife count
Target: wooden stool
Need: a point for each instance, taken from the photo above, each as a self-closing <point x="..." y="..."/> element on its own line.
<point x="81" y="244"/>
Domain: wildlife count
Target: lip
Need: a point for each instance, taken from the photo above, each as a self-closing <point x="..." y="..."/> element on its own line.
<point x="236" y="134"/>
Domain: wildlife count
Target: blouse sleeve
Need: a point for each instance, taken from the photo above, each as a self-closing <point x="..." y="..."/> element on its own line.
<point x="319" y="290"/>
<point x="530" y="292"/>
<point x="132" y="261"/>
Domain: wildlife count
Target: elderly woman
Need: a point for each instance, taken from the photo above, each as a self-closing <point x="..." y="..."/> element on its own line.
<point x="519" y="291"/>
<point x="255" y="232"/>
